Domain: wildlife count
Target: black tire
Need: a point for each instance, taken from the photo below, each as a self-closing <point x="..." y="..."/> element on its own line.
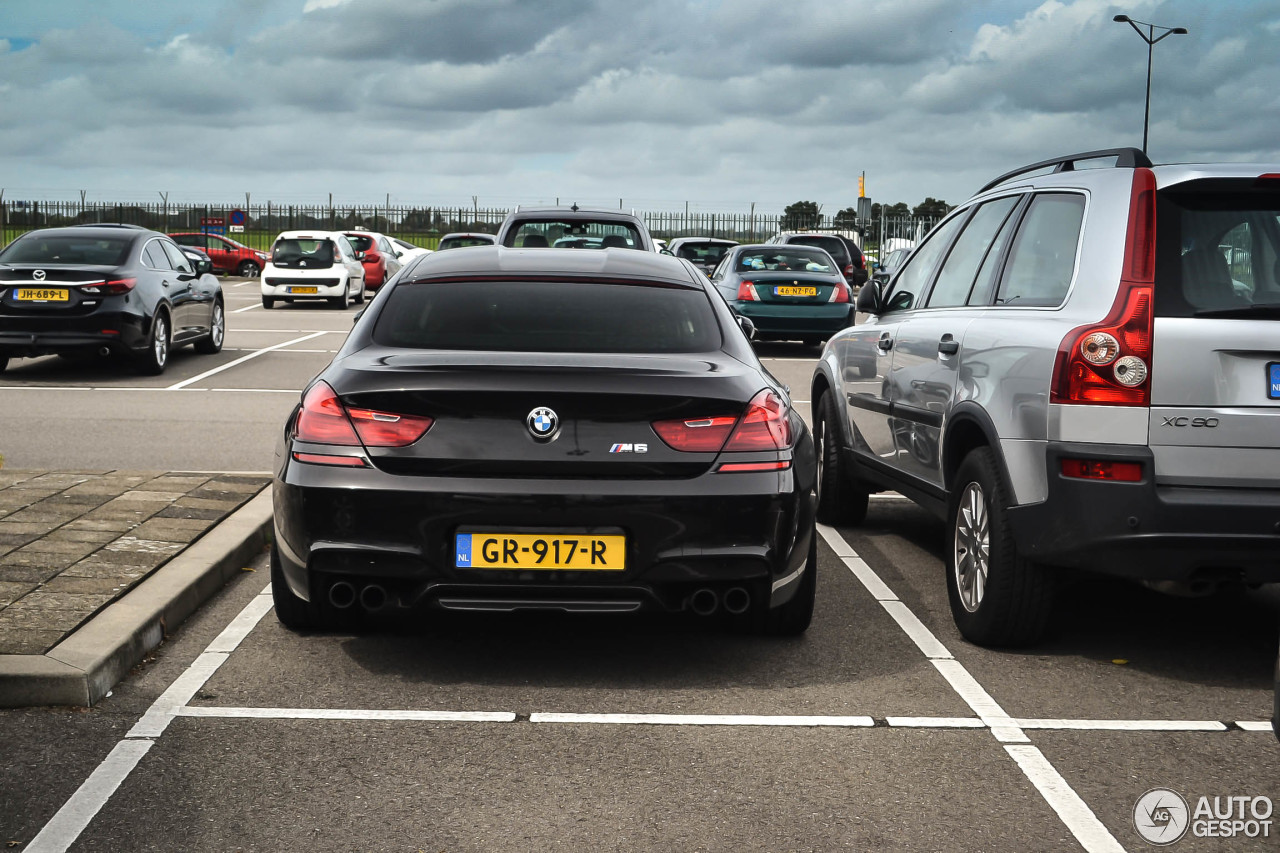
<point x="292" y="612"/>
<point x="155" y="358"/>
<point x="1012" y="605"/>
<point x="841" y="500"/>
<point x="793" y="618"/>
<point x="359" y="300"/>
<point x="248" y="269"/>
<point x="212" y="344"/>
<point x="268" y="302"/>
<point x="340" y="302"/>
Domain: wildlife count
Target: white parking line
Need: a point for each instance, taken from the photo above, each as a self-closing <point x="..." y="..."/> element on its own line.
<point x="1073" y="811"/>
<point x="348" y="714"/>
<point x="247" y="308"/>
<point x="1249" y="726"/>
<point x="241" y="360"/>
<point x="701" y="720"/>
<point x="1124" y="725"/>
<point x="935" y="722"/>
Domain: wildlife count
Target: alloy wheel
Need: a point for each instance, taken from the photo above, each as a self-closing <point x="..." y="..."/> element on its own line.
<point x="161" y="343"/>
<point x="972" y="546"/>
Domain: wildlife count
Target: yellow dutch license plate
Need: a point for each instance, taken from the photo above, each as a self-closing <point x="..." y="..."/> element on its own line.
<point x="586" y="552"/>
<point x="795" y="291"/>
<point x="42" y="294"/>
<point x="303" y="290"/>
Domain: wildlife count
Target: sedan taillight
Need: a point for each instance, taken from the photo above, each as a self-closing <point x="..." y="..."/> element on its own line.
<point x="765" y="425"/>
<point x="747" y="292"/>
<point x="324" y="420"/>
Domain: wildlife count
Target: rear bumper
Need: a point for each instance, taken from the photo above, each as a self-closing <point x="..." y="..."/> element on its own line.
<point x="323" y="290"/>
<point x="717" y="531"/>
<point x="774" y="318"/>
<point x="28" y="337"/>
<point x="1147" y="531"/>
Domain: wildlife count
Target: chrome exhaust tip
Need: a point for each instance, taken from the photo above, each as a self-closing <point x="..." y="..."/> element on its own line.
<point x="342" y="595"/>
<point x="373" y="598"/>
<point x="737" y="600"/>
<point x="704" y="602"/>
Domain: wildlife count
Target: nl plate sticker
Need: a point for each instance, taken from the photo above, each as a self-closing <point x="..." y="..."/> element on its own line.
<point x="1273" y="380"/>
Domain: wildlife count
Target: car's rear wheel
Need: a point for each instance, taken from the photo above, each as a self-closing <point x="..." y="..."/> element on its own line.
<point x="248" y="269"/>
<point x="293" y="613"/>
<point x="359" y="300"/>
<point x="153" y="360"/>
<point x="840" y="498"/>
<point x="340" y="302"/>
<point x="793" y="618"/>
<point x="998" y="598"/>
<point x="268" y="302"/>
<point x="212" y="344"/>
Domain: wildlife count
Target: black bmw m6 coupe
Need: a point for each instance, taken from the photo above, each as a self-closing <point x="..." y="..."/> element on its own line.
<point x="509" y="429"/>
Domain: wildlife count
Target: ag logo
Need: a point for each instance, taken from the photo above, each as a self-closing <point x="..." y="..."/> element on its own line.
<point x="1161" y="816"/>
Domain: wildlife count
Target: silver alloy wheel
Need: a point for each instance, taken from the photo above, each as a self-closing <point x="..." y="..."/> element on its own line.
<point x="972" y="546"/>
<point x="219" y="329"/>
<point x="820" y="445"/>
<point x="161" y="343"/>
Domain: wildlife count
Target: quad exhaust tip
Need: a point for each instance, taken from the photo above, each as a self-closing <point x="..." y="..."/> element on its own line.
<point x="704" y="602"/>
<point x="342" y="595"/>
<point x="737" y="600"/>
<point x="373" y="598"/>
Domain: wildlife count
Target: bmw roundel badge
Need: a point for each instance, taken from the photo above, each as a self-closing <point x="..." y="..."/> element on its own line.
<point x="542" y="422"/>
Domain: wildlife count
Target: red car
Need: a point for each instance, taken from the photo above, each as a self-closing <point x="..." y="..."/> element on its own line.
<point x="227" y="255"/>
<point x="380" y="259"/>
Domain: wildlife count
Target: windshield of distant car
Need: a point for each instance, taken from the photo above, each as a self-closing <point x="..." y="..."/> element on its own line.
<point x="464" y="242"/>
<point x="360" y="242"/>
<point x="36" y="248"/>
<point x="706" y="254"/>
<point x="784" y="258"/>
<point x="578" y="316"/>
<point x="575" y="234"/>
<point x="310" y="252"/>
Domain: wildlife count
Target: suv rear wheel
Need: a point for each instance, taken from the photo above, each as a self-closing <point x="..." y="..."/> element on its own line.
<point x="998" y="598"/>
<point x="840" y="498"/>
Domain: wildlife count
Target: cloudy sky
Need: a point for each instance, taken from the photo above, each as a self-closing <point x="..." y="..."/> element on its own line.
<point x="719" y="103"/>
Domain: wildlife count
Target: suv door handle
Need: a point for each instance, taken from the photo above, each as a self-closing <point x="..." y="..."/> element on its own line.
<point x="885" y="343"/>
<point x="948" y="345"/>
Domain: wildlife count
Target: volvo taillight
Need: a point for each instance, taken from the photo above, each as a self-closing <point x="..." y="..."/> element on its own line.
<point x="747" y="292"/>
<point x="1108" y="363"/>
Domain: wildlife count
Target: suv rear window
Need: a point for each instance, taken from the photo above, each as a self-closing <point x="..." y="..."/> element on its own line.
<point x="303" y="252"/>
<point x="548" y="317"/>
<point x="67" y="249"/>
<point x="834" y="246"/>
<point x="707" y="254"/>
<point x="575" y="234"/>
<point x="463" y="242"/>
<point x="360" y="242"/>
<point x="1217" y="246"/>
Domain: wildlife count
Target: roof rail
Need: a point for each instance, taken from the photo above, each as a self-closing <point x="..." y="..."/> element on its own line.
<point x="1126" y="158"/>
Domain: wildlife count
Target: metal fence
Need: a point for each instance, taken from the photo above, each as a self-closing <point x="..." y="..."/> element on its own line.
<point x="422" y="226"/>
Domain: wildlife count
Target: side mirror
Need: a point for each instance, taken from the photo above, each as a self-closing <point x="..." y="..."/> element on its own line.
<point x="204" y="267"/>
<point x="359" y="256"/>
<point x="748" y="327"/>
<point x="869" y="299"/>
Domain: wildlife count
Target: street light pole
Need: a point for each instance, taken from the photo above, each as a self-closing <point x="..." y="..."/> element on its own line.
<point x="1150" y="38"/>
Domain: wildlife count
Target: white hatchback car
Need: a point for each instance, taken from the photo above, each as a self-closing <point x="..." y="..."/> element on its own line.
<point x="313" y="265"/>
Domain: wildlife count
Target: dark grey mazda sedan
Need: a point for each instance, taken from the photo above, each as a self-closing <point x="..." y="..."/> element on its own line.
<point x="509" y="429"/>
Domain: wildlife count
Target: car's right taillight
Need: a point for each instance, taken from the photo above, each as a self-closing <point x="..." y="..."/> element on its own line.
<point x="747" y="292"/>
<point x="764" y="425"/>
<point x="1109" y="363"/>
<point x="324" y="420"/>
<point x="839" y="293"/>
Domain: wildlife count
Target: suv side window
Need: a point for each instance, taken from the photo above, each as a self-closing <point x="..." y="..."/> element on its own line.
<point x="1043" y="258"/>
<point x="961" y="266"/>
<point x="909" y="284"/>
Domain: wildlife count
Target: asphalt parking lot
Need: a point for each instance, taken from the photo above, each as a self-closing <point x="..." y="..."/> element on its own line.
<point x="879" y="729"/>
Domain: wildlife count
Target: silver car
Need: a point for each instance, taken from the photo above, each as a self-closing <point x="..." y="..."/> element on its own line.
<point x="1078" y="369"/>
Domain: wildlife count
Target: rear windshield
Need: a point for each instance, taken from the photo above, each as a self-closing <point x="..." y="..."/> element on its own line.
<point x="578" y="234"/>
<point x="834" y="245"/>
<point x="360" y="242"/>
<point x="1217" y="247"/>
<point x="464" y="242"/>
<point x="67" y="249"/>
<point x="548" y="317"/>
<point x="312" y="253"/>
<point x="784" y="258"/>
<point x="707" y="254"/>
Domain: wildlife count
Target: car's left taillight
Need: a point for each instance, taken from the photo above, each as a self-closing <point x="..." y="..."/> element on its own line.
<point x="114" y="287"/>
<point x="324" y="419"/>
<point x="764" y="425"/>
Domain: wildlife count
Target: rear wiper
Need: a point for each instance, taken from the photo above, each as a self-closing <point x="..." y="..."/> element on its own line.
<point x="1263" y="310"/>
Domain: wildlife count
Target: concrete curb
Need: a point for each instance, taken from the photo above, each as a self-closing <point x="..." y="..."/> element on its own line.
<point x="86" y="665"/>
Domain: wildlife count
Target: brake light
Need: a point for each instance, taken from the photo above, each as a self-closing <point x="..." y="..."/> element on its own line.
<point x="383" y="429"/>
<point x="695" y="435"/>
<point x="327" y="459"/>
<point x="764" y="426"/>
<point x="848" y="270"/>
<point x="1101" y="469"/>
<point x="324" y="420"/>
<point x="119" y="286"/>
<point x="1108" y="363"/>
<point x="840" y="293"/>
<point x="740" y="467"/>
<point x="747" y="292"/>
